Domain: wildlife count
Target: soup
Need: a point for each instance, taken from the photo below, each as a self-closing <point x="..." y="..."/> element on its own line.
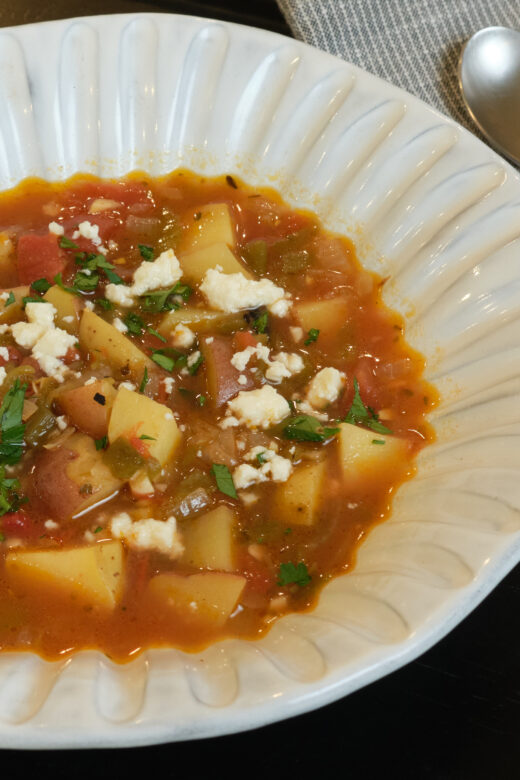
<point x="205" y="408"/>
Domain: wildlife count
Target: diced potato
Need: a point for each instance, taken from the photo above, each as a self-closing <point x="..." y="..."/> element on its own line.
<point x="94" y="574"/>
<point x="88" y="469"/>
<point x="213" y="227"/>
<point x="84" y="411"/>
<point x="209" y="597"/>
<point x="326" y="316"/>
<point x="106" y="342"/>
<point x="297" y="501"/>
<point x="363" y="456"/>
<point x="135" y="415"/>
<point x="195" y="264"/>
<point x="67" y="306"/>
<point x="13" y="312"/>
<point x="208" y="540"/>
<point x="221" y="376"/>
<point x="200" y="320"/>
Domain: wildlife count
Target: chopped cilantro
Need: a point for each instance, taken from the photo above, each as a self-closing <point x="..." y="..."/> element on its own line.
<point x="104" y="303"/>
<point x="306" y="428"/>
<point x="134" y="323"/>
<point x="112" y="277"/>
<point x="364" y="415"/>
<point x="9" y="499"/>
<point x="378" y="441"/>
<point x="196" y="365"/>
<point x="312" y="335"/>
<point x="66" y="243"/>
<point x="260" y="324"/>
<point x="202" y="400"/>
<point x="102" y="443"/>
<point x="59" y="281"/>
<point x="11" y="426"/>
<point x="162" y="360"/>
<point x="30" y="299"/>
<point x="156" y="334"/>
<point x="41" y="285"/>
<point x="146" y="252"/>
<point x="296" y="573"/>
<point x="85" y="282"/>
<point x="224" y="479"/>
<point x="162" y="300"/>
<point x="144" y="381"/>
<point x="10" y="299"/>
<point x="92" y="262"/>
<point x="144" y="437"/>
<point x="98" y="529"/>
<point x="260" y="456"/>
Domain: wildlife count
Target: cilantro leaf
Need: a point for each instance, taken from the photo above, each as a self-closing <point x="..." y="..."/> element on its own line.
<point x="162" y="300"/>
<point x="41" y="285"/>
<point x="201" y="399"/>
<point x="59" y="281"/>
<point x="85" y="282"/>
<point x="9" y="499"/>
<point x="260" y="324"/>
<point x="224" y="479"/>
<point x="144" y="381"/>
<point x="134" y="323"/>
<point x="293" y="573"/>
<point x="101" y="444"/>
<point x="312" y="335"/>
<point x="156" y="334"/>
<point x="104" y="303"/>
<point x="194" y="367"/>
<point x="146" y="252"/>
<point x="162" y="360"/>
<point x="359" y="414"/>
<point x="10" y="299"/>
<point x="112" y="277"/>
<point x="11" y="427"/>
<point x="66" y="243"/>
<point x="30" y="299"/>
<point x="303" y="427"/>
<point x="144" y="437"/>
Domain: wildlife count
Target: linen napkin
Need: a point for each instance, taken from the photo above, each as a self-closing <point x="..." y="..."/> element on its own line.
<point x="414" y="44"/>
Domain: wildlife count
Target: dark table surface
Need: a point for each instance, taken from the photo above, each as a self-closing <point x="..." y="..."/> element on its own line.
<point x="453" y="713"/>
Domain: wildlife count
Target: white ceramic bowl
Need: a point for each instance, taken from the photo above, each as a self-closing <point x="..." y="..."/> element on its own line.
<point x="430" y="207"/>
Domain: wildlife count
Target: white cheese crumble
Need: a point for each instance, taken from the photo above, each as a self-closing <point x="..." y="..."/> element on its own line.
<point x="51" y="525"/>
<point x="61" y="422"/>
<point x="127" y="386"/>
<point x="169" y="384"/>
<point x="148" y="534"/>
<point x="3" y="374"/>
<point x="87" y="230"/>
<point x="68" y="319"/>
<point x="273" y="467"/>
<point x="281" y="366"/>
<point x="89" y="305"/>
<point x="119" y="325"/>
<point x="4" y="353"/>
<point x="192" y="359"/>
<point x="296" y="332"/>
<point x="162" y="273"/>
<point x="47" y="342"/>
<point x="182" y="337"/>
<point x="259" y="408"/>
<point x="209" y="340"/>
<point x="91" y="381"/>
<point x="4" y="296"/>
<point x="325" y="387"/>
<point x="242" y="379"/>
<point x="57" y="229"/>
<point x="233" y="292"/>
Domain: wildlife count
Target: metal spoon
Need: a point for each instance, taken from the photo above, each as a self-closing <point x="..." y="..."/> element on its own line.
<point x="489" y="76"/>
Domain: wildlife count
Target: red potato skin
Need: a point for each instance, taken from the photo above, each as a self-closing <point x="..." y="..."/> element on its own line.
<point x="50" y="485"/>
<point x="39" y="257"/>
<point x="222" y="377"/>
<point x="86" y="414"/>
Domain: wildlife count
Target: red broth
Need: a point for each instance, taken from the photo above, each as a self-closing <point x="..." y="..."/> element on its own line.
<point x="193" y="441"/>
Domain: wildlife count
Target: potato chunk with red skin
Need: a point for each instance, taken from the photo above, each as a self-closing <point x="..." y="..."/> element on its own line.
<point x="221" y="376"/>
<point x="69" y="479"/>
<point x="87" y="413"/>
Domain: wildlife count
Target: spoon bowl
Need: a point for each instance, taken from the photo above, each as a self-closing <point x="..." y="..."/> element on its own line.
<point x="489" y="76"/>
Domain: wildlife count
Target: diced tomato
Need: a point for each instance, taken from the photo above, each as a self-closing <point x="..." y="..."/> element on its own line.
<point x="19" y="524"/>
<point x="39" y="257"/>
<point x="243" y="339"/>
<point x="260" y="578"/>
<point x="71" y="355"/>
<point x="142" y="446"/>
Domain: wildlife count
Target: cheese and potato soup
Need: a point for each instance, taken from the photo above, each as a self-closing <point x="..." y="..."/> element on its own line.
<point x="205" y="406"/>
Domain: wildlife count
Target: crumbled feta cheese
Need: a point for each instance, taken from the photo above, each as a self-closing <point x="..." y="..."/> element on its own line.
<point x="249" y="498"/>
<point x="209" y="340"/>
<point x="273" y="467"/>
<point x="325" y="387"/>
<point x="47" y="342"/>
<point x="182" y="337"/>
<point x="127" y="386"/>
<point x="88" y="230"/>
<point x="259" y="408"/>
<point x="89" y="305"/>
<point x="119" y="325"/>
<point x="305" y="408"/>
<point x="3" y="374"/>
<point x="4" y="328"/>
<point x="296" y="332"/>
<point x="192" y="359"/>
<point x="51" y="525"/>
<point x="148" y="534"/>
<point x="119" y="294"/>
<point x="103" y="204"/>
<point x="169" y="384"/>
<point x="61" y="422"/>
<point x="229" y="422"/>
<point x="282" y="366"/>
<point x="68" y="318"/>
<point x="4" y="296"/>
<point x="91" y="381"/>
<point x="242" y="379"/>
<point x="57" y="229"/>
<point x="233" y="292"/>
<point x="4" y="353"/>
<point x="162" y="273"/>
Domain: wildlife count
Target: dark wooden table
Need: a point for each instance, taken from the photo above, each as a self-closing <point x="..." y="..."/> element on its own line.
<point x="452" y="714"/>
